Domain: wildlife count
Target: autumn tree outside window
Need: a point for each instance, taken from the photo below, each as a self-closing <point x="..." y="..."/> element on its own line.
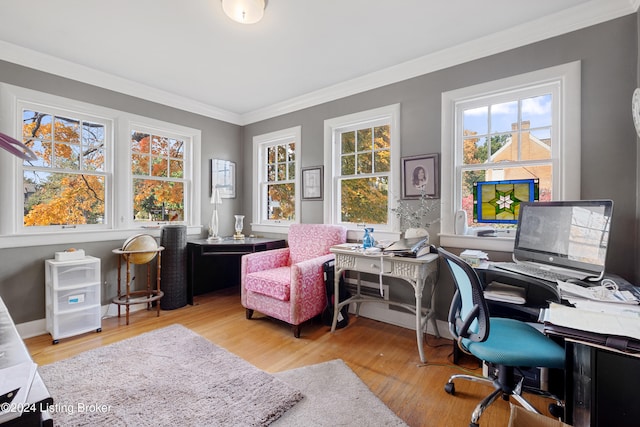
<point x="276" y="180"/>
<point x="362" y="151"/>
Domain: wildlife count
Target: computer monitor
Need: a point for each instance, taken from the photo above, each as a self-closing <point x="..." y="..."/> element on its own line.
<point x="569" y="234"/>
<point x="499" y="201"/>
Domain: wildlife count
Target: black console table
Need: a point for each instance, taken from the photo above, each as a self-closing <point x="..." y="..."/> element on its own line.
<point x="214" y="265"/>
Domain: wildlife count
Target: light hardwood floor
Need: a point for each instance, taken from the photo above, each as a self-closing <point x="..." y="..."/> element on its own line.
<point x="383" y="356"/>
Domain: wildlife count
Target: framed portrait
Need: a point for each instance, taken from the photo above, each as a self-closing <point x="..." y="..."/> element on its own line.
<point x="421" y="174"/>
<point x="312" y="183"/>
<point x="222" y="177"/>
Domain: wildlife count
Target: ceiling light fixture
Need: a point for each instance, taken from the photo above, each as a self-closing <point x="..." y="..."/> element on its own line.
<point x="244" y="11"/>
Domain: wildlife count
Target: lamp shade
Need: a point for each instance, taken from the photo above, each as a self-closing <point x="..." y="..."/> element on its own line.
<point x="244" y="11"/>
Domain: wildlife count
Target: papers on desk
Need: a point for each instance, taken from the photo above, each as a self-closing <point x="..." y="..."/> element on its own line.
<point x="571" y="292"/>
<point x="497" y="291"/>
<point x="625" y="322"/>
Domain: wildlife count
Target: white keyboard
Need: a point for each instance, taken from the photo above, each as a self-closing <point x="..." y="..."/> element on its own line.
<point x="533" y="271"/>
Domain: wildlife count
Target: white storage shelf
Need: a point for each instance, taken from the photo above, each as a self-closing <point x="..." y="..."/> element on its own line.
<point x="73" y="297"/>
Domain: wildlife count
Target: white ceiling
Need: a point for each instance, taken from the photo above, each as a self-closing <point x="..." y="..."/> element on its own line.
<point x="188" y="54"/>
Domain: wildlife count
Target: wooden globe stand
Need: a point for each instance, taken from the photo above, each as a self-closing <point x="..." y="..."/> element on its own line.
<point x="147" y="295"/>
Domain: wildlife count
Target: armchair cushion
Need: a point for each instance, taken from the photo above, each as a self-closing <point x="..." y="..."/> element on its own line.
<point x="275" y="283"/>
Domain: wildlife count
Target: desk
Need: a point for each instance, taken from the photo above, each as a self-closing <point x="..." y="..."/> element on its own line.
<point x="415" y="271"/>
<point x="215" y="265"/>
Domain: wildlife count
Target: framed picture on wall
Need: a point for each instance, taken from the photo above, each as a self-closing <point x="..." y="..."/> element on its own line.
<point x="222" y="177"/>
<point x="312" y="183"/>
<point x="421" y="174"/>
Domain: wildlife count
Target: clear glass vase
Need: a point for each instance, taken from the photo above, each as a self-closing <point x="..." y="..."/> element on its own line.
<point x="239" y="226"/>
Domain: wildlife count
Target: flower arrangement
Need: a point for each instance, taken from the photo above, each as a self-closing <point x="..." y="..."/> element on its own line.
<point x="417" y="214"/>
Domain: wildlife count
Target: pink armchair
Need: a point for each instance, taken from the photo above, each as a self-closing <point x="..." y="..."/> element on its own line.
<point x="288" y="283"/>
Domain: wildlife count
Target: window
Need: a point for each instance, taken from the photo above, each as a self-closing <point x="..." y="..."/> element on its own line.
<point x="99" y="174"/>
<point x="66" y="185"/>
<point x="527" y="126"/>
<point x="158" y="181"/>
<point x="361" y="153"/>
<point x="275" y="158"/>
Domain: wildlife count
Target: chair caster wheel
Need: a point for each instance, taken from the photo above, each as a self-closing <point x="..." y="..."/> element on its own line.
<point x="54" y="342"/>
<point x="556" y="411"/>
<point x="450" y="388"/>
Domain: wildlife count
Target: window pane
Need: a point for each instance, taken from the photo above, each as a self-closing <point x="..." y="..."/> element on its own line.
<point x="92" y="133"/>
<point x="37" y="125"/>
<point x="66" y="156"/>
<point x="271" y="173"/>
<point x="159" y="146"/>
<point x="93" y="159"/>
<point x="382" y="139"/>
<point x="282" y="172"/>
<point x="176" y="148"/>
<point x="176" y="168"/>
<point x="537" y="111"/>
<point x="140" y="164"/>
<point x="159" y="167"/>
<point x="504" y="117"/>
<point x="536" y="148"/>
<point x="348" y="165"/>
<point x="382" y="161"/>
<point x="158" y="200"/>
<point x="67" y="130"/>
<point x="364" y="200"/>
<point x="281" y="202"/>
<point x="348" y="140"/>
<point x="140" y="142"/>
<point x="475" y="151"/>
<point x="504" y="147"/>
<point x="364" y="163"/>
<point x="291" y="152"/>
<point x="292" y="171"/>
<point x="62" y="199"/>
<point x="271" y="155"/>
<point x="42" y="150"/>
<point x="282" y="154"/>
<point x="476" y="121"/>
<point x="365" y="142"/>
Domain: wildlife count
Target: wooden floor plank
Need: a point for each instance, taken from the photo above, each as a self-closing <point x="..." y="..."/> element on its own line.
<point x="382" y="355"/>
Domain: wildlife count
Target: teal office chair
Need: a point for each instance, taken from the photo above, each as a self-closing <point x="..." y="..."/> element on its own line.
<point x="507" y="343"/>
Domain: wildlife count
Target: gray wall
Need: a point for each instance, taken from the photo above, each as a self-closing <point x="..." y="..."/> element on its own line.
<point x="609" y="54"/>
<point x="22" y="269"/>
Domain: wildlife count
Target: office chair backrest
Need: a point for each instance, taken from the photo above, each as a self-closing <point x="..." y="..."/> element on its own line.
<point x="469" y="314"/>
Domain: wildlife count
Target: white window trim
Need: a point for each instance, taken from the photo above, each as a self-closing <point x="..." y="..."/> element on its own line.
<point x="259" y="141"/>
<point x="121" y="226"/>
<point x="566" y="184"/>
<point x="334" y="125"/>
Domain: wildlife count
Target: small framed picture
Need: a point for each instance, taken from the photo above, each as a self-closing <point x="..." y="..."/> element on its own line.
<point x="312" y="183"/>
<point x="222" y="177"/>
<point x="421" y="174"/>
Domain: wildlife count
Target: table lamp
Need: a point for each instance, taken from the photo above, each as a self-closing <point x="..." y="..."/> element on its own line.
<point x="213" y="226"/>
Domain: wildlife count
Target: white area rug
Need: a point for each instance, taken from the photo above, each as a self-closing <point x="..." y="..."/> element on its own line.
<point x="167" y="377"/>
<point x="333" y="396"/>
<point x="173" y="376"/>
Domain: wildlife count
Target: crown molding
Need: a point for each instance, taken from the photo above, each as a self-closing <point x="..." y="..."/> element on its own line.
<point x="578" y="17"/>
<point x="63" y="68"/>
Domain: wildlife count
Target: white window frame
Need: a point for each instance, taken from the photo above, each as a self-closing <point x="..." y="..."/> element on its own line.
<point x="565" y="152"/>
<point x="260" y="143"/>
<point x="119" y="223"/>
<point x="332" y="128"/>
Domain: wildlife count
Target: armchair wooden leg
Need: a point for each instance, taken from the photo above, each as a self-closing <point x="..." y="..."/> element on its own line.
<point x="296" y="330"/>
<point x="249" y="313"/>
